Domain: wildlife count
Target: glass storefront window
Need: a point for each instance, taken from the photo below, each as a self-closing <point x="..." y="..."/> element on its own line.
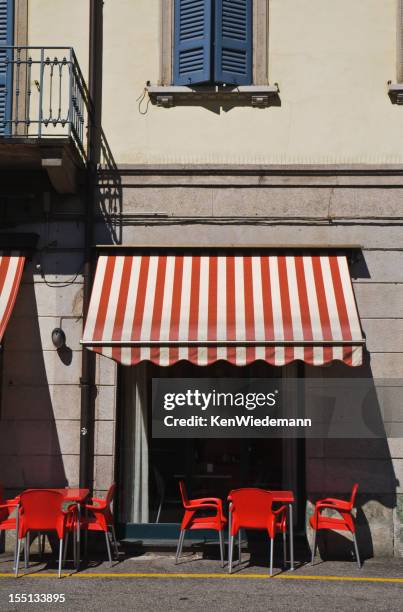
<point x="150" y="469"/>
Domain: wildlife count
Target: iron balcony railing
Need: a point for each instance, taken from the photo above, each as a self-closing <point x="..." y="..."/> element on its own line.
<point x="45" y="95"/>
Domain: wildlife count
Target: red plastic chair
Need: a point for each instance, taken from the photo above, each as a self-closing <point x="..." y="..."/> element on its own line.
<point x="41" y="510"/>
<point x="9" y="517"/>
<point x="345" y="523"/>
<point x="252" y="509"/>
<point x="100" y="518"/>
<point x="193" y="520"/>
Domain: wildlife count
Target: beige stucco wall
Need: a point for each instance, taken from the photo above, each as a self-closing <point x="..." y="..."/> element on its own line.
<point x="332" y="61"/>
<point x="60" y="23"/>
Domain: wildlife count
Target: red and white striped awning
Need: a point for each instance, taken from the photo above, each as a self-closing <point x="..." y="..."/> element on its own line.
<point x="202" y="308"/>
<point x="11" y="267"/>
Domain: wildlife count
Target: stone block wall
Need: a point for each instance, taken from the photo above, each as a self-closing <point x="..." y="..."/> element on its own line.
<point x="40" y="406"/>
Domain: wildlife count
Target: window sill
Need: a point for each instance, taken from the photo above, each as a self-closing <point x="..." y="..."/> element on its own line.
<point x="258" y="96"/>
<point x="395" y="92"/>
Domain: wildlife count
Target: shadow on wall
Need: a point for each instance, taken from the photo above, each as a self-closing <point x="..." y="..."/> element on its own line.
<point x="108" y="208"/>
<point x="335" y="464"/>
<point x="30" y="453"/>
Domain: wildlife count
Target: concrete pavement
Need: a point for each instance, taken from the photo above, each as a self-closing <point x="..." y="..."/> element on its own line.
<point x="153" y="582"/>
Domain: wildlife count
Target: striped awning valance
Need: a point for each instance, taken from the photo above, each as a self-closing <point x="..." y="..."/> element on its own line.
<point x="11" y="267"/>
<point x="239" y="308"/>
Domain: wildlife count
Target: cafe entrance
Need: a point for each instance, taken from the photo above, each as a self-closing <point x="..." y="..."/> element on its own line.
<point x="149" y="469"/>
<point x="196" y="312"/>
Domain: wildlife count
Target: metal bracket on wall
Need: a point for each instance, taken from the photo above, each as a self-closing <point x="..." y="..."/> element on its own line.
<point x="260" y="101"/>
<point x="395" y="92"/>
<point x="165" y="101"/>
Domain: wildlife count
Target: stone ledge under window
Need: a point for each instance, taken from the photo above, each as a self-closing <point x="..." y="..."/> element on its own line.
<point x="395" y="92"/>
<point x="259" y="96"/>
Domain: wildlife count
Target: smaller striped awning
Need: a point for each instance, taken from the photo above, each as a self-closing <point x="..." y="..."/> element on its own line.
<point x="11" y="267"/>
<point x="238" y="308"/>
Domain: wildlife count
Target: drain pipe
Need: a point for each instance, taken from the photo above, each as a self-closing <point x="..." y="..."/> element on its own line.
<point x="87" y="380"/>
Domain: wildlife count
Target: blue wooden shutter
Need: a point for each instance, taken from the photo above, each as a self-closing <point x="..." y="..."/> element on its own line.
<point x="233" y="42"/>
<point x="192" y="42"/>
<point x="6" y="38"/>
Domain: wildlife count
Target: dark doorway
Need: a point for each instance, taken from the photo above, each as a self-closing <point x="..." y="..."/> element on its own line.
<point x="210" y="468"/>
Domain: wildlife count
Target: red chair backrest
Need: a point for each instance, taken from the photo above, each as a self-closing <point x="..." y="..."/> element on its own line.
<point x="251" y="508"/>
<point x="110" y="495"/>
<point x="353" y="495"/>
<point x="41" y="509"/>
<point x="184" y="495"/>
<point x="4" y="512"/>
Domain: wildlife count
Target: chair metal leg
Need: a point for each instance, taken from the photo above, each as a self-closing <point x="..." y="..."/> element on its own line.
<point x="314" y="539"/>
<point x="86" y="542"/>
<point x="230" y="553"/>
<point x="357" y="554"/>
<point x="17" y="559"/>
<point x="115" y="542"/>
<point x="15" y="547"/>
<point x="60" y="556"/>
<point x="15" y="550"/>
<point x="239" y="546"/>
<point x="291" y="532"/>
<point x="78" y="554"/>
<point x="157" y="520"/>
<point x="108" y="546"/>
<point x="271" y="555"/>
<point x="17" y="521"/>
<point x="285" y="549"/>
<point x="66" y="544"/>
<point x="75" y="551"/>
<point x="220" y="535"/>
<point x="77" y="540"/>
<point x="180" y="545"/>
<point x="26" y="549"/>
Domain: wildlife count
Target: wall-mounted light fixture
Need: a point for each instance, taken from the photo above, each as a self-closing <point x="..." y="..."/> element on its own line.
<point x="58" y="338"/>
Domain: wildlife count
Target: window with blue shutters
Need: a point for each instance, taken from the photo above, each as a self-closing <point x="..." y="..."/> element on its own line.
<point x="192" y="42"/>
<point x="6" y="39"/>
<point x="213" y="42"/>
<point x="233" y="42"/>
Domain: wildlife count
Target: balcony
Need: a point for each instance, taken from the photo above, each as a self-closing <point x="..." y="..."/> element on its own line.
<point x="45" y="114"/>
